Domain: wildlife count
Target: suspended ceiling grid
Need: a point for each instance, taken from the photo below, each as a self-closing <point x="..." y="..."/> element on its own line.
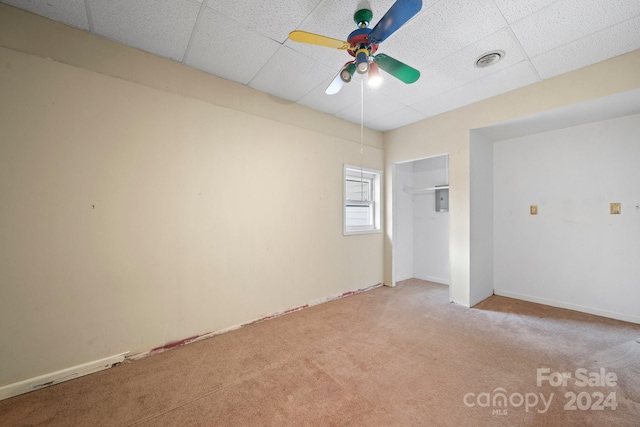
<point x="246" y="42"/>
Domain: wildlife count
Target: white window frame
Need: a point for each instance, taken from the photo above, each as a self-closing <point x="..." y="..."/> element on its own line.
<point x="374" y="177"/>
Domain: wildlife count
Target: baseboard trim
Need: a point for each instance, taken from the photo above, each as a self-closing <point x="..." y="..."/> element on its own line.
<point x="589" y="310"/>
<point x="196" y="338"/>
<point x="403" y="278"/>
<point x="58" y="377"/>
<point x="434" y="280"/>
<point x="425" y="278"/>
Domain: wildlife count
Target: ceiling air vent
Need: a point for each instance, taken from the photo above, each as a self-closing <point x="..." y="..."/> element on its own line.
<point x="489" y="58"/>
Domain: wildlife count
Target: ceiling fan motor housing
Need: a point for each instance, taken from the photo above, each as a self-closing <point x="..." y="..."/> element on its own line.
<point x="361" y="49"/>
<point x="362" y="18"/>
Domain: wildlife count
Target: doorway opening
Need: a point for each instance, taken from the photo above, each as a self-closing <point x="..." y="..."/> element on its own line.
<point x="420" y="225"/>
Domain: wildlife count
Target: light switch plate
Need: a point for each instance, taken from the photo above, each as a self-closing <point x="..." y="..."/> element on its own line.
<point x="533" y="209"/>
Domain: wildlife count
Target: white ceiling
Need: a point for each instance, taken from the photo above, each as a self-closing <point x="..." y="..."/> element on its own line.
<point x="246" y="41"/>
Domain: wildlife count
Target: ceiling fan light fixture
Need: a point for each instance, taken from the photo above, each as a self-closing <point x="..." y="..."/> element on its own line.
<point x="362" y="61"/>
<point x="375" y="79"/>
<point x="489" y="58"/>
<point x="347" y="72"/>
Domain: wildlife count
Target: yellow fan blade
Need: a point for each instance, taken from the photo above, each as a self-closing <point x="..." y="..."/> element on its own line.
<point x="310" y="38"/>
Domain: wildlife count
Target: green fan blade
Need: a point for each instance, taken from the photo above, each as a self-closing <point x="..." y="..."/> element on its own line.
<point x="397" y="69"/>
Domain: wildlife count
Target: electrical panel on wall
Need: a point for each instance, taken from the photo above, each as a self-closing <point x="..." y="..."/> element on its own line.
<point x="442" y="199"/>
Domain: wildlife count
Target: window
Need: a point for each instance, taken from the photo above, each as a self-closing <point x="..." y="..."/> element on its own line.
<point x="362" y="197"/>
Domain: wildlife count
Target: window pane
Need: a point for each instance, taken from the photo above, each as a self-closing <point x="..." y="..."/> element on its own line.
<point x="358" y="216"/>
<point x="358" y="190"/>
<point x="362" y="200"/>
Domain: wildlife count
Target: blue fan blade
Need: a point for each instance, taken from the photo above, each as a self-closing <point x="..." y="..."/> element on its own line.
<point x="396" y="16"/>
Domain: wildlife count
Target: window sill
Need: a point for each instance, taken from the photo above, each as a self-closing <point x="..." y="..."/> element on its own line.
<point x="357" y="232"/>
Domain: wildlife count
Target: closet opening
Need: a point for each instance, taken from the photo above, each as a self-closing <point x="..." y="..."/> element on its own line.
<point x="421" y="220"/>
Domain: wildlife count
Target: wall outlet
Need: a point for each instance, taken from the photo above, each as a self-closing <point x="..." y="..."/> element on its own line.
<point x="533" y="209"/>
<point x="615" y="209"/>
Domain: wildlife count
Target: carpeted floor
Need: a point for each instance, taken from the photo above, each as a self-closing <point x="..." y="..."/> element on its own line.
<point x="399" y="356"/>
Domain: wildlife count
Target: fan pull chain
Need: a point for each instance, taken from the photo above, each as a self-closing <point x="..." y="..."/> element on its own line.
<point x="361" y="137"/>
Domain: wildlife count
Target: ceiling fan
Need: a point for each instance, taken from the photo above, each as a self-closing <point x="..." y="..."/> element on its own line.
<point x="363" y="43"/>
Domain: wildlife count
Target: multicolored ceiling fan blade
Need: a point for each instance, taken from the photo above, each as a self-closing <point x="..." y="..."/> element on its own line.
<point x="396" y="17"/>
<point x="310" y="38"/>
<point x="397" y="69"/>
<point x="363" y="43"/>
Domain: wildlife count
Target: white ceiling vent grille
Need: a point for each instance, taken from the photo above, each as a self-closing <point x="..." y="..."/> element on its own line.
<point x="489" y="58"/>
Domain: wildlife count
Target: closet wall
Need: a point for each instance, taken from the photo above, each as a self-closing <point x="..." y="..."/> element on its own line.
<point x="423" y="233"/>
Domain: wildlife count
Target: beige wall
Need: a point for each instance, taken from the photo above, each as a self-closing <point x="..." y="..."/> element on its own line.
<point x="450" y="133"/>
<point x="150" y="202"/>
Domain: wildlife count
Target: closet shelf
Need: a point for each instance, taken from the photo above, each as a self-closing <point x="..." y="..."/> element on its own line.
<point x="418" y="191"/>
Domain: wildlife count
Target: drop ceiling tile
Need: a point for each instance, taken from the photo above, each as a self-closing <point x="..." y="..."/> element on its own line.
<point x="395" y="120"/>
<point x="444" y="29"/>
<point x="290" y="75"/>
<point x="375" y="105"/>
<point x="568" y="20"/>
<point x="514" y="10"/>
<point x="334" y="18"/>
<point x="519" y="75"/>
<point x="70" y="12"/>
<point x="613" y="41"/>
<point x="458" y="69"/>
<point x="214" y="48"/>
<point x="402" y="41"/>
<point x="331" y="58"/>
<point x="350" y="114"/>
<point x="430" y="83"/>
<point x="318" y="100"/>
<point x="161" y="27"/>
<point x="273" y="19"/>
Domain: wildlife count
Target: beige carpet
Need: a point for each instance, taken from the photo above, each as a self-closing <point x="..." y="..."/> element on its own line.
<point x="399" y="356"/>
